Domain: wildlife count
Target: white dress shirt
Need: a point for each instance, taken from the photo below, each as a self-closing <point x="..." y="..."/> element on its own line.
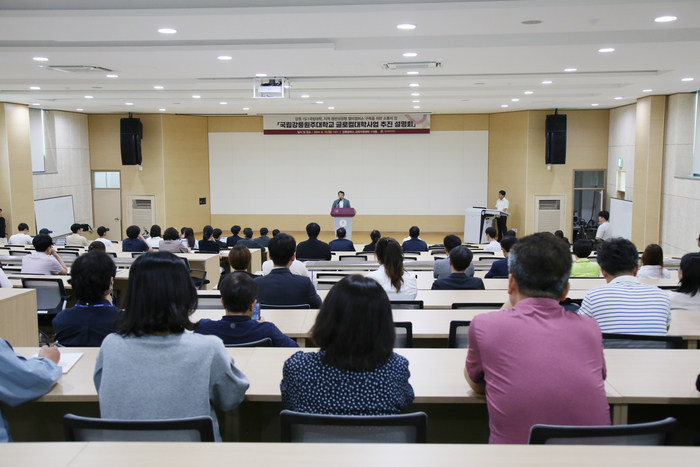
<point x="604" y="231"/>
<point x="20" y="239"/>
<point x="493" y="246"/>
<point x="502" y="204"/>
<point x="104" y="240"/>
<point x="297" y="268"/>
<point x="409" y="288"/>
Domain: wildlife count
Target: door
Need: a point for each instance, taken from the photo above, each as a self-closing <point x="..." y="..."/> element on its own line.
<point x="107" y="206"/>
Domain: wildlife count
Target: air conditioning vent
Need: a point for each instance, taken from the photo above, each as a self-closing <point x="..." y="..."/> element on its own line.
<point x="550" y="204"/>
<point x="141" y="210"/>
<point x="410" y="65"/>
<point x="79" y="69"/>
<point x="549" y="213"/>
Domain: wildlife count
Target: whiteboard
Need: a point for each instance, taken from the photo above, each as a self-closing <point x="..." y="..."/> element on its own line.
<point x="55" y="214"/>
<point x="621" y="218"/>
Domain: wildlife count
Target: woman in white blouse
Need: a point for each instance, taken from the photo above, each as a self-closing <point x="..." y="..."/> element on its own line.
<point x="391" y="275"/>
<point x="653" y="264"/>
<point x="687" y="296"/>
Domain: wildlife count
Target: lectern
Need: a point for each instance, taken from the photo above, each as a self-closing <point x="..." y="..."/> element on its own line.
<point x="342" y="217"/>
<point x="476" y="221"/>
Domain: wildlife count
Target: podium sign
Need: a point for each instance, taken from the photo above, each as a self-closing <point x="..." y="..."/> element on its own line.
<point x="342" y="217"/>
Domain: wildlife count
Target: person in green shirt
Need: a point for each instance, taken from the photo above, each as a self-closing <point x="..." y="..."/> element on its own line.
<point x="583" y="267"/>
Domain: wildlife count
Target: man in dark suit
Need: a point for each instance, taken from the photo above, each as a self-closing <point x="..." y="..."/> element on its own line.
<point x="500" y="268"/>
<point x="248" y="240"/>
<point x="313" y="248"/>
<point x="280" y="286"/>
<point x="415" y="243"/>
<point x="263" y="239"/>
<point x="233" y="239"/>
<point x="460" y="259"/>
<point x="341" y="243"/>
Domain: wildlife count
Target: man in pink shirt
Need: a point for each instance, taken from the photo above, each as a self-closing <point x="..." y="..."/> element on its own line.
<point x="536" y="362"/>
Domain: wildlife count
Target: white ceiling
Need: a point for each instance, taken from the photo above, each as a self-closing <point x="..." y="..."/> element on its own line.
<point x="333" y="51"/>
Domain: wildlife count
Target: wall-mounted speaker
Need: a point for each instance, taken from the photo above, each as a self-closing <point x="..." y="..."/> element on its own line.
<point x="131" y="135"/>
<point x="555" y="132"/>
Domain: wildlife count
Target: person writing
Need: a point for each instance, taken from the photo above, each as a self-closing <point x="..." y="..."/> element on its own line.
<point x="341" y="202"/>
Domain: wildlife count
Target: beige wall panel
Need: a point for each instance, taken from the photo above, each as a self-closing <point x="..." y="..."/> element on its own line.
<point x="238" y="124"/>
<point x="447" y="122"/>
<point x="19" y="165"/>
<point x="5" y="183"/>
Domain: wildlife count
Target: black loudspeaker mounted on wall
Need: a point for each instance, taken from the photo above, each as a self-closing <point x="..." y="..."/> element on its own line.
<point x="131" y="135"/>
<point x="555" y="128"/>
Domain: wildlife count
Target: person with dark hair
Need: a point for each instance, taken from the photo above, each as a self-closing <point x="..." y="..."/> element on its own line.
<point x="275" y="232"/>
<point x="248" y="240"/>
<point x="238" y="297"/>
<point x="560" y="235"/>
<point x="355" y="371"/>
<point x="391" y="275"/>
<point x="375" y="235"/>
<point x="493" y="245"/>
<point x="151" y="369"/>
<point x="263" y="239"/>
<point x="154" y="236"/>
<point x="687" y="296"/>
<point x="207" y="244"/>
<point x="499" y="268"/>
<point x="3" y="229"/>
<point x="341" y="202"/>
<point x="280" y="286"/>
<point x="414" y="243"/>
<point x="75" y="239"/>
<point x="45" y="260"/>
<point x="171" y="242"/>
<point x="99" y="246"/>
<point x="216" y="236"/>
<point x="233" y="239"/>
<point x="441" y="267"/>
<point x="460" y="258"/>
<point x="188" y="239"/>
<point x="21" y="237"/>
<point x="604" y="231"/>
<point x="653" y="264"/>
<point x="313" y="248"/>
<point x="511" y="233"/>
<point x="341" y="243"/>
<point x="584" y="267"/>
<point x="502" y="205"/>
<point x="624" y="305"/>
<point x="239" y="258"/>
<point x="554" y="371"/>
<point x="102" y="236"/>
<point x="93" y="316"/>
<point x="134" y="241"/>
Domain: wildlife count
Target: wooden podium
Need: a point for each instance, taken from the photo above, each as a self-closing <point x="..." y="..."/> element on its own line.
<point x="342" y="217"/>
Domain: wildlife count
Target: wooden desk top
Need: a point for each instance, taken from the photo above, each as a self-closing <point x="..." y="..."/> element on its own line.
<point x="341" y="455"/>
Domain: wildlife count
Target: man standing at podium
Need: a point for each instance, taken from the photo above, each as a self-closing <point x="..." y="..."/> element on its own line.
<point x="341" y="202"/>
<point x="502" y="205"/>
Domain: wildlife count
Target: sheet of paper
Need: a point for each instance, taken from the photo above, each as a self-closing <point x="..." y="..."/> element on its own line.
<point x="67" y="360"/>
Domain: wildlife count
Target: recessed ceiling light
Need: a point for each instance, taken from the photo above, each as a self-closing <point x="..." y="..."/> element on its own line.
<point x="415" y="94"/>
<point x="532" y="21"/>
<point x="246" y="108"/>
<point x="223" y="103"/>
<point x="157" y="87"/>
<point x="406" y="26"/>
<point x="415" y="101"/>
<point x="569" y="69"/>
<point x="35" y="88"/>
<point x="79" y="110"/>
<point x="261" y="75"/>
<point x="606" y="49"/>
<point x="129" y="103"/>
<point x="224" y="57"/>
<point x="36" y="103"/>
<point x="647" y="90"/>
<point x="416" y="106"/>
<point x="40" y="59"/>
<point x="410" y="54"/>
<point x="594" y="105"/>
<point x="665" y="19"/>
<point x="88" y="97"/>
<point x="112" y="76"/>
<point x="546" y="82"/>
<point x="196" y="96"/>
<point x="414" y="85"/>
<point x="504" y="105"/>
<point x="618" y="98"/>
<point x="162" y="110"/>
<point x="528" y="92"/>
<point x="411" y="72"/>
<point x="687" y="79"/>
<point x="319" y="102"/>
<point x="304" y="96"/>
<point x="331" y="108"/>
<point x="167" y="31"/>
<point x="515" y="100"/>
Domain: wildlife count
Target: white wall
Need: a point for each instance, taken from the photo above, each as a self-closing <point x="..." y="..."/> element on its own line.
<point x="440" y="173"/>
<point x="621" y="143"/>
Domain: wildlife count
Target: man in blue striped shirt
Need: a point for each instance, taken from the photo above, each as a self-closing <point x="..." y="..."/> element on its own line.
<point x="624" y="305"/>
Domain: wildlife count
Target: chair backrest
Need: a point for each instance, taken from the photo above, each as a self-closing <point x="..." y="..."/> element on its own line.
<point x="50" y="294"/>
<point x="299" y="306"/>
<point x="352" y="259"/>
<point x="441" y="251"/>
<point x="488" y="259"/>
<point x="199" y="278"/>
<point x="266" y="342"/>
<point x="407" y="304"/>
<point x="136" y="254"/>
<point x="325" y="285"/>
<point x="634" y="341"/>
<point x="643" y="434"/>
<point x="486" y="253"/>
<point x="112" y="254"/>
<point x="20" y="252"/>
<point x="196" y="429"/>
<point x="459" y="335"/>
<point x="313" y="428"/>
<point x="439" y="247"/>
<point x="303" y="260"/>
<point x="210" y="302"/>
<point x="488" y="306"/>
<point x="404" y="335"/>
<point x="410" y="258"/>
<point x="70" y="255"/>
<point x="332" y="275"/>
<point x="187" y="263"/>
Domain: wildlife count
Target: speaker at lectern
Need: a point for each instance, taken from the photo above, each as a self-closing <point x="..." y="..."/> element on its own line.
<point x="342" y="217"/>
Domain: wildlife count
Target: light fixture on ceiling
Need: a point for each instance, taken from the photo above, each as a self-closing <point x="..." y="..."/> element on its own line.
<point x="224" y="57"/>
<point x="305" y="96"/>
<point x="415" y="101"/>
<point x="406" y="26"/>
<point x="157" y="87"/>
<point x="407" y="54"/>
<point x="529" y="92"/>
<point x="532" y="21"/>
<point x="504" y="105"/>
<point x="319" y="102"/>
<point x="167" y="31"/>
<point x="569" y="69"/>
<point x="128" y="103"/>
<point x="331" y="108"/>
<point x="687" y="79"/>
<point x="112" y="76"/>
<point x="88" y="97"/>
<point x="618" y="98"/>
<point x="196" y="96"/>
<point x="414" y="85"/>
<point x="647" y="90"/>
<point x="161" y="110"/>
<point x="411" y="72"/>
<point x="36" y="103"/>
<point x="34" y="88"/>
<point x="606" y="49"/>
<point x="416" y="106"/>
<point x="223" y="103"/>
<point x="515" y="100"/>
<point x="261" y="75"/>
<point x="546" y="82"/>
<point x="40" y="59"/>
<point x="79" y="110"/>
<point x="594" y="105"/>
<point x="246" y="108"/>
<point x="665" y="19"/>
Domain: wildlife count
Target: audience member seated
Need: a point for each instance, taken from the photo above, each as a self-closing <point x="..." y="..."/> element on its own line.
<point x="238" y="292"/>
<point x="152" y="369"/>
<point x="76" y="239"/>
<point x="584" y="267"/>
<point x="188" y="239"/>
<point x="511" y="233"/>
<point x="134" y="241"/>
<point x="554" y="371"/>
<point x="653" y="264"/>
<point x="263" y="239"/>
<point x="687" y="296"/>
<point x="313" y="248"/>
<point x="298" y="268"/>
<point x="560" y="235"/>
<point x="21" y="237"/>
<point x="233" y="239"/>
<point x="4" y="281"/>
<point x="374" y="236"/>
<point x="491" y="238"/>
<point x="441" y="267"/>
<point x="44" y="261"/>
<point x="355" y="371"/>
<point x="391" y="275"/>
<point x="499" y="268"/>
<point x="460" y="259"/>
<point x="207" y="244"/>
<point x="341" y="243"/>
<point x="154" y="237"/>
<point x="102" y="235"/>
<point x="171" y="242"/>
<point x="414" y="243"/>
<point x="217" y="238"/>
<point x="97" y="246"/>
<point x="248" y="240"/>
<point x="280" y="286"/>
<point x="23" y="380"/>
<point x="624" y="305"/>
<point x="93" y="317"/>
<point x="275" y="232"/>
<point x="239" y="258"/>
